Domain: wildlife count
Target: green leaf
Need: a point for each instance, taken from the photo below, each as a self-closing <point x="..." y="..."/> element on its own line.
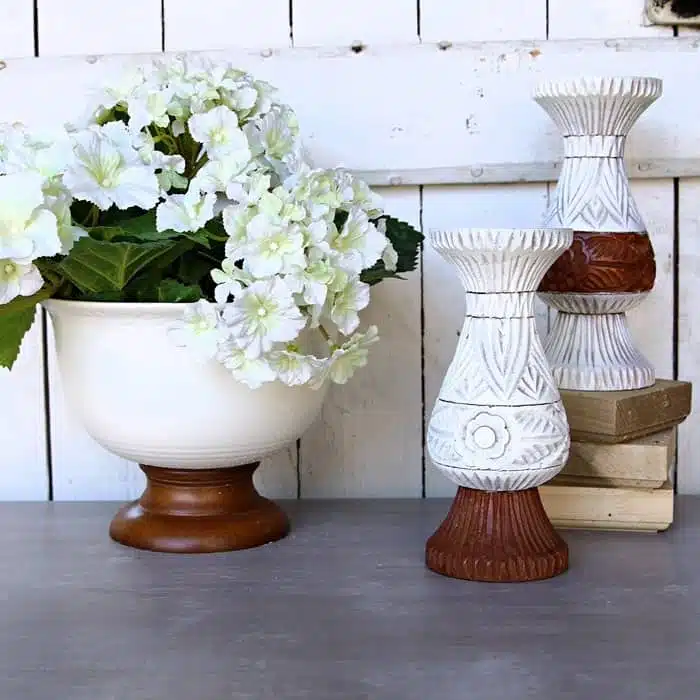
<point x="406" y="241"/>
<point x="170" y="290"/>
<point x="142" y="229"/>
<point x="16" y="318"/>
<point x="99" y="266"/>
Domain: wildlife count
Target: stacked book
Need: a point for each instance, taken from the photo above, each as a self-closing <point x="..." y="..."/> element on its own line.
<point x="621" y="468"/>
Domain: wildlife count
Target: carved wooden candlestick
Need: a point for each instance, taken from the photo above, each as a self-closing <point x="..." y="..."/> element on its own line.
<point x="610" y="267"/>
<point x="498" y="429"/>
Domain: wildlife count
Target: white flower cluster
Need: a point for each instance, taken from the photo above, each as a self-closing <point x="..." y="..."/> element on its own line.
<point x="298" y="238"/>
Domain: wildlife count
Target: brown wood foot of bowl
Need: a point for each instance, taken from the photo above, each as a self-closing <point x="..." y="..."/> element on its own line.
<point x="502" y="536"/>
<point x="199" y="510"/>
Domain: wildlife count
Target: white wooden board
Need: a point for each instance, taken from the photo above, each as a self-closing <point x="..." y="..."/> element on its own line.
<point x="16" y="28"/>
<point x="494" y="206"/>
<point x="218" y="24"/>
<point x="24" y="466"/>
<point x="69" y="27"/>
<point x="498" y="20"/>
<point x="688" y="474"/>
<point x="601" y="18"/>
<point x="468" y="112"/>
<point x="367" y="22"/>
<point x="368" y="440"/>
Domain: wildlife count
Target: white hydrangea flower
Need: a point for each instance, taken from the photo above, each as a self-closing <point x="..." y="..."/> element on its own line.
<point x="217" y="175"/>
<point x="27" y="230"/>
<point x="351" y="356"/>
<point x="185" y="212"/>
<point x="148" y="106"/>
<point x="199" y="330"/>
<point x="248" y="190"/>
<point x="253" y="372"/>
<point x="313" y="280"/>
<point x="108" y="170"/>
<point x="236" y="220"/>
<point x="229" y="280"/>
<point x="293" y="368"/>
<point x="347" y="303"/>
<point x="217" y="130"/>
<point x="264" y="313"/>
<point x="67" y="232"/>
<point x="18" y="280"/>
<point x="358" y="245"/>
<point x="271" y="249"/>
<point x="275" y="134"/>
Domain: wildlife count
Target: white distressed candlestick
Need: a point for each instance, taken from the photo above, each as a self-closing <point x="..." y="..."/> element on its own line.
<point x="610" y="267"/>
<point x="498" y="428"/>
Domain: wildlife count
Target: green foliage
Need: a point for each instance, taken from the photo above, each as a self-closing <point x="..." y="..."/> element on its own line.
<point x="16" y="318"/>
<point x="406" y="241"/>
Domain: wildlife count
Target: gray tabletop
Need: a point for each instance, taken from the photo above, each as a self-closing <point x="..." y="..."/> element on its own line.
<point x="341" y="609"/>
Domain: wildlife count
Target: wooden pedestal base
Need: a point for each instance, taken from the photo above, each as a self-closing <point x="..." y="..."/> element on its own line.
<point x="199" y="510"/>
<point x="502" y="536"/>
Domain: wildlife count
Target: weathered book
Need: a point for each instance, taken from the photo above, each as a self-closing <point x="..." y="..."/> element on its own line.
<point x="619" y="416"/>
<point x="606" y="508"/>
<point x="645" y="462"/>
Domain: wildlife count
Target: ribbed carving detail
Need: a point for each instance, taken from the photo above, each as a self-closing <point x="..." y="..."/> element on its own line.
<point x="595" y="352"/>
<point x="593" y="303"/>
<point x="597" y="105"/>
<point x="499" y="537"/>
<point x="501" y="260"/>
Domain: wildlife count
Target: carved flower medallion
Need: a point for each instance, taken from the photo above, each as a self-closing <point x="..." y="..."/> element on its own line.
<point x="486" y="435"/>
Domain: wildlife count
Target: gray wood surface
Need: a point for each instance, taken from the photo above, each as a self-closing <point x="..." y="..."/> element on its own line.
<point x="343" y="609"/>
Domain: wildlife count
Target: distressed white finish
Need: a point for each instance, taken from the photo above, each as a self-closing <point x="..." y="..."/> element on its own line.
<point x="366" y="22"/>
<point x="661" y="12"/>
<point x="589" y="346"/>
<point x="16" y="28"/>
<point x="499" y="423"/>
<point x="70" y="27"/>
<point x="145" y="399"/>
<point x="218" y="24"/>
<point x="497" y="20"/>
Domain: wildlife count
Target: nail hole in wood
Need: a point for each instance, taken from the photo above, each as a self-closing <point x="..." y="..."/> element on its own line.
<point x="357" y="47"/>
<point x="3" y="65"/>
<point x="444" y="45"/>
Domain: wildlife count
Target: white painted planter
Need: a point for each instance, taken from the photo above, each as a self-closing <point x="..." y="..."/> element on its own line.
<point x="498" y="423"/>
<point x="144" y="399"/>
<point x="590" y="346"/>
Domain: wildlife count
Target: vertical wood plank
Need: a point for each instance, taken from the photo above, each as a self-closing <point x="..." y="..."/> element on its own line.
<point x="16" y="28"/>
<point x="82" y="470"/>
<point x="23" y="422"/>
<point x="368" y="440"/>
<point x="498" y="20"/>
<point x="596" y="19"/>
<point x="688" y="470"/>
<point x="218" y="24"/>
<point x="652" y="321"/>
<point x="79" y="27"/>
<point x="491" y="206"/>
<point x="214" y="24"/>
<point x="325" y="23"/>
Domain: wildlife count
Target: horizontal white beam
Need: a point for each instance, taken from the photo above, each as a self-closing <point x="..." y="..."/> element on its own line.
<point x="423" y="114"/>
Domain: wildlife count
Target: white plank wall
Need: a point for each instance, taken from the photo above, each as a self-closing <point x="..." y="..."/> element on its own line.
<point x="369" y="436"/>
<point x="23" y="436"/>
<point x="402" y="114"/>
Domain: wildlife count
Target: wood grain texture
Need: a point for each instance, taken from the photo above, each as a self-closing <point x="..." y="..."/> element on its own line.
<point x="688" y="475"/>
<point x="24" y="468"/>
<point x="496" y="206"/>
<point x="646" y="462"/>
<point x="366" y="22"/>
<point x="16" y="28"/>
<point x="603" y="508"/>
<point x="368" y="439"/>
<point x="619" y="416"/>
<point x="400" y="133"/>
<point x="344" y="609"/>
<point x="217" y="24"/>
<point x="498" y="20"/>
<point x="601" y="18"/>
<point x="79" y="27"/>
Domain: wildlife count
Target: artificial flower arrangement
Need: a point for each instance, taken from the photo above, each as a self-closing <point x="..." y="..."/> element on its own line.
<point x="186" y="182"/>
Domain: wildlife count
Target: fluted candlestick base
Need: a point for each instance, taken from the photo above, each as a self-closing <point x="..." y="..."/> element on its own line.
<point x="498" y="536"/>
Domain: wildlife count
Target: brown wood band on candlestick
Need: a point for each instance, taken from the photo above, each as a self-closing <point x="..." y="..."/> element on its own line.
<point x="497" y="536"/>
<point x="603" y="262"/>
<point x="199" y="511"/>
